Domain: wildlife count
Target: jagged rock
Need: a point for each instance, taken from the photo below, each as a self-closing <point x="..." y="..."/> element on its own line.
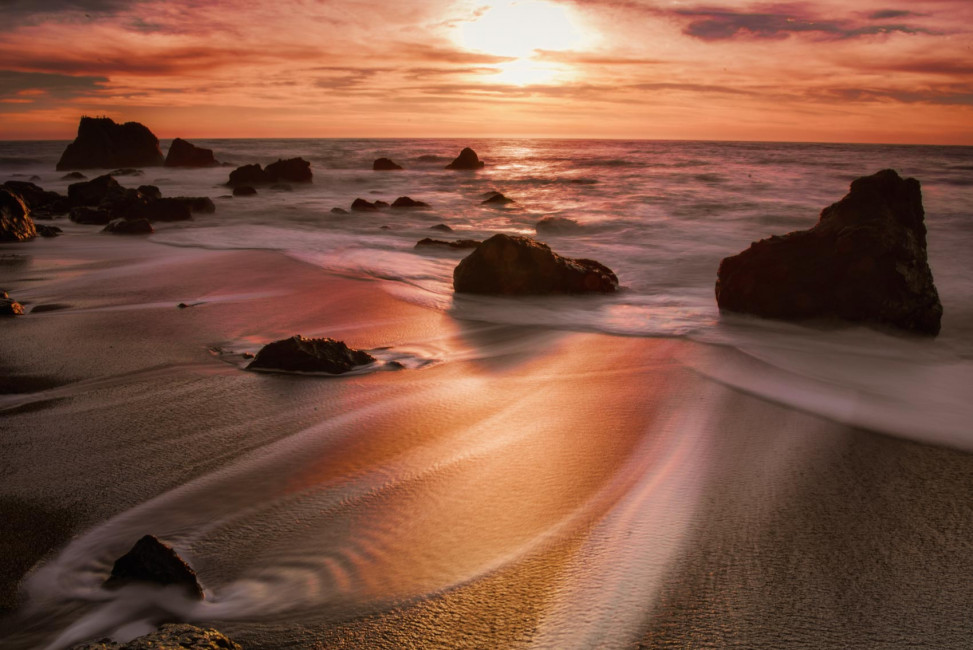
<point x="39" y="201"/>
<point x="90" y="216"/>
<point x="48" y="231"/>
<point x="94" y="191"/>
<point x="441" y="227"/>
<point x="864" y="261"/>
<point x="151" y="560"/>
<point x="186" y="154"/>
<point x="129" y="227"/>
<point x="10" y="307"/>
<point x="385" y="165"/>
<point x="467" y="159"/>
<point x="171" y="636"/>
<point x="508" y="264"/>
<point x="301" y="354"/>
<point x="406" y="202"/>
<point x="338" y="211"/>
<point x="74" y="176"/>
<point x="361" y="205"/>
<point x="103" y="144"/>
<point x="150" y="192"/>
<point x="244" y="190"/>
<point x="167" y="210"/>
<point x="292" y="170"/>
<point x="197" y="204"/>
<point x="459" y="243"/>
<point x="249" y="175"/>
<point x="557" y="226"/>
<point x="496" y="198"/>
<point x="15" y="221"/>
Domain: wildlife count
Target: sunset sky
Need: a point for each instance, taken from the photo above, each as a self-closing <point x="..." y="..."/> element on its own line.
<point x="833" y="70"/>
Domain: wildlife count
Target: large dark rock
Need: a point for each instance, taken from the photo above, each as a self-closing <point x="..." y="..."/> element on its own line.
<point x="15" y="221"/>
<point x="94" y="191"/>
<point x="511" y="265"/>
<point x="186" y="154"/>
<point x="10" y="307"/>
<point x="129" y="227"/>
<point x="301" y="354"/>
<point x="361" y="205"/>
<point x="406" y="202"/>
<point x="102" y="144"/>
<point x="90" y="216"/>
<point x="171" y="636"/>
<point x="864" y="261"/>
<point x="249" y="175"/>
<point x="151" y="560"/>
<point x="151" y="192"/>
<point x="48" y="231"/>
<point x="129" y="203"/>
<point x="467" y="159"/>
<point x="385" y="165"/>
<point x="39" y="201"/>
<point x="292" y="170"/>
<point x="167" y="210"/>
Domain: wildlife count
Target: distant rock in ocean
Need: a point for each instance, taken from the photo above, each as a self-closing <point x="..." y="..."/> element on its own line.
<point x="170" y="636"/>
<point x="496" y="198"/>
<point x="292" y="170"/>
<point x="557" y="226"/>
<point x="302" y="354"/>
<point x="456" y="244"/>
<point x="154" y="561"/>
<point x="467" y="159"/>
<point x="15" y="221"/>
<point x="186" y="154"/>
<point x="406" y="202"/>
<point x="517" y="265"/>
<point x="385" y="165"/>
<point x="361" y="205"/>
<point x="249" y="175"/>
<point x="865" y="261"/>
<point x="103" y="144"/>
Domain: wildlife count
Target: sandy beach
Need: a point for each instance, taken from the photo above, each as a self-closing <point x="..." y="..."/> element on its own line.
<point x="510" y="487"/>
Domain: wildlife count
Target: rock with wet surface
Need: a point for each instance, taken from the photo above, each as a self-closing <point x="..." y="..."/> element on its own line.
<point x="15" y="221"/>
<point x="864" y="261"/>
<point x="385" y="165"/>
<point x="467" y="159"/>
<point x="171" y="636"/>
<point x="103" y="144"/>
<point x="153" y="561"/>
<point x="302" y="354"/>
<point x="517" y="265"/>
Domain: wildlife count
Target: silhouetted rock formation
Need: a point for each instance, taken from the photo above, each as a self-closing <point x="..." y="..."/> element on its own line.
<point x="186" y="154"/>
<point x="864" y="261"/>
<point x="150" y="192"/>
<point x="361" y="205"/>
<point x="102" y="144"/>
<point x="244" y="190"/>
<point x="292" y="170"/>
<point x="557" y="226"/>
<point x="385" y="165"/>
<point x="249" y="175"/>
<point x="10" y="307"/>
<point x="165" y="210"/>
<point x="15" y="221"/>
<point x="439" y="243"/>
<point x="197" y="204"/>
<point x="40" y="202"/>
<point x="129" y="227"/>
<point x="94" y="191"/>
<point x="467" y="159"/>
<point x="170" y="636"/>
<point x="47" y="231"/>
<point x="496" y="198"/>
<point x="90" y="216"/>
<point x="406" y="202"/>
<point x="153" y="561"/>
<point x="301" y="354"/>
<point x="511" y="265"/>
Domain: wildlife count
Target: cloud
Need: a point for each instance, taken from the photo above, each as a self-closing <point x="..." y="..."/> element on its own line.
<point x="891" y="14"/>
<point x="26" y="12"/>
<point x="34" y="84"/>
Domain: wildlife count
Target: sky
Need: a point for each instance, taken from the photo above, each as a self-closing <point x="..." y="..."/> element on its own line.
<point x="830" y="71"/>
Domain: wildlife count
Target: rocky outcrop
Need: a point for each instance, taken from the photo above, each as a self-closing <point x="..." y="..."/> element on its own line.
<point x="429" y="242"/>
<point x="249" y="175"/>
<point x="244" y="190"/>
<point x="557" y="226"/>
<point x="301" y="354"/>
<point x="361" y="205"/>
<point x="496" y="198"/>
<point x="103" y="144"/>
<point x="129" y="227"/>
<point x="865" y="261"/>
<point x="95" y="191"/>
<point x="517" y="265"/>
<point x="172" y="636"/>
<point x="48" y="231"/>
<point x="406" y="202"/>
<point x="10" y="307"/>
<point x="153" y="561"/>
<point x="186" y="154"/>
<point x="15" y="221"/>
<point x="385" y="165"/>
<point x="467" y="159"/>
<point x="150" y="192"/>
<point x="292" y="170"/>
<point x="39" y="201"/>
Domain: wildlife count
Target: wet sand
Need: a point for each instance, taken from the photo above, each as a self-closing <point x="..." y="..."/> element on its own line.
<point x="513" y="487"/>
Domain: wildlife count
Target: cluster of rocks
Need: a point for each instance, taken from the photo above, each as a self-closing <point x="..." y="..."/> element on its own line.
<point x="293" y="170"/>
<point x="466" y="160"/>
<point x="362" y="205"/>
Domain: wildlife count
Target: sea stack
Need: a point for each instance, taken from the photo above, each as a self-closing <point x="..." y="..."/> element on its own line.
<point x="186" y="154"/>
<point x="103" y="144"/>
<point x="865" y="261"/>
<point x="467" y="159"/>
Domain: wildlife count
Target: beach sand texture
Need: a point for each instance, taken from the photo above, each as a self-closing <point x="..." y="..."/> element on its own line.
<point x="510" y="487"/>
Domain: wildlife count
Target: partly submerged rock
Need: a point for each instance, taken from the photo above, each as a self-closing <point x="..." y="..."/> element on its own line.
<point x="10" y="307"/>
<point x="244" y="190"/>
<point x="441" y="227"/>
<point x="73" y="176"/>
<point x="15" y="221"/>
<point x="90" y="216"/>
<point x="557" y="226"/>
<point x="440" y="243"/>
<point x="167" y="210"/>
<point x="865" y="261"/>
<point x="94" y="191"/>
<point x="171" y="636"/>
<point x="103" y="144"/>
<point x="129" y="227"/>
<point x="48" y="231"/>
<point x="197" y="204"/>
<point x="249" y="175"/>
<point x="301" y="354"/>
<point x="467" y="159"/>
<point x="126" y="171"/>
<point x="385" y="165"/>
<point x="338" y="211"/>
<point x="511" y="265"/>
<point x="154" y="561"/>
<point x="406" y="202"/>
<point x="151" y="192"/>
<point x="361" y="205"/>
<point x="186" y="154"/>
<point x="292" y="170"/>
<point x="496" y="198"/>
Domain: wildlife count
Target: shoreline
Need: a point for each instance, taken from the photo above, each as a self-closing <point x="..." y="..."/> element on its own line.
<point x="527" y="487"/>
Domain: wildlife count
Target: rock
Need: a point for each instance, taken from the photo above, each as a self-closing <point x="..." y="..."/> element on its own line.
<point x="249" y="175"/>
<point x="48" y="231"/>
<point x="39" y="201"/>
<point x="94" y="191"/>
<point x="197" y="204"/>
<point x="15" y="221"/>
<point x="125" y="171"/>
<point x="380" y="204"/>
<point x="74" y="176"/>
<point x="864" y="261"/>
<point x="511" y="265"/>
<point x="102" y="144"/>
<point x="459" y="243"/>
<point x="150" y="192"/>
<point x="186" y="154"/>
<point x="129" y="227"/>
<point x="171" y="636"/>
<point x="406" y="202"/>
<point x="244" y="190"/>
<point x="441" y="227"/>
<point x="361" y="205"/>
<point x="557" y="226"/>
<point x="90" y="216"/>
<point x="292" y="170"/>
<point x="128" y="204"/>
<point x="467" y="159"/>
<point x="496" y="198"/>
<point x="10" y="307"/>
<point x="385" y="165"/>
<point x="301" y="354"/>
<point x="151" y="560"/>
<point x="430" y="158"/>
<point x="338" y="211"/>
<point x="167" y="210"/>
